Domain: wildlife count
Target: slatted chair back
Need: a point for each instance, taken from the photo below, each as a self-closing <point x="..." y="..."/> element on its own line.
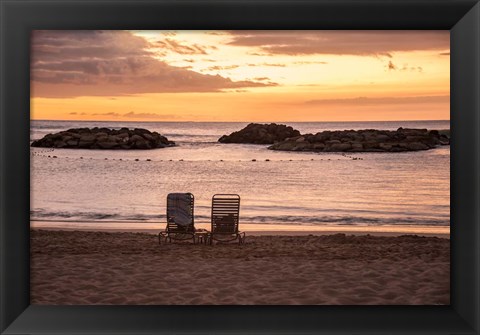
<point x="173" y="227"/>
<point x="225" y="213"/>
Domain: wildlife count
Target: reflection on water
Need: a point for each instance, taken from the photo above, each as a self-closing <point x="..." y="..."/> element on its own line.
<point x="410" y="188"/>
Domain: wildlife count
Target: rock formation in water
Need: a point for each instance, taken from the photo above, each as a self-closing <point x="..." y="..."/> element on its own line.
<point x="104" y="138"/>
<point x="256" y="133"/>
<point x="369" y="140"/>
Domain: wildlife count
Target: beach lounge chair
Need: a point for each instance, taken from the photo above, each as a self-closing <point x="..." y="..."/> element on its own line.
<point x="180" y="223"/>
<point x="225" y="219"/>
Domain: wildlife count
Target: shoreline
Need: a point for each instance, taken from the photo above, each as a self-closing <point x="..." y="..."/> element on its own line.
<point x="258" y="229"/>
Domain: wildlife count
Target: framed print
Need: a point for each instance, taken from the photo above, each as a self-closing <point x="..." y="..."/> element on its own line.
<point x="227" y="179"/>
<point x="251" y="167"/>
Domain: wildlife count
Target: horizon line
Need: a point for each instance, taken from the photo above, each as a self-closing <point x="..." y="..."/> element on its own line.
<point x="291" y="121"/>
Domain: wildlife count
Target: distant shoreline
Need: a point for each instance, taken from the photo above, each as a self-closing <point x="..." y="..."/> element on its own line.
<point x="265" y="121"/>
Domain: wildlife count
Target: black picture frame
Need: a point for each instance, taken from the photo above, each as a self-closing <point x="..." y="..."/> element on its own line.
<point x="19" y="17"/>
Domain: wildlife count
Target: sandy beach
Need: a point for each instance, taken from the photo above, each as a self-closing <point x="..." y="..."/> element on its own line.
<point x="125" y="268"/>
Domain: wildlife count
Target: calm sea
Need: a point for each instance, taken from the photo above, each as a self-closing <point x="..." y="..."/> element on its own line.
<point x="113" y="189"/>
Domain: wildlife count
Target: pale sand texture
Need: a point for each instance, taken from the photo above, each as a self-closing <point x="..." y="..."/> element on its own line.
<point x="80" y="267"/>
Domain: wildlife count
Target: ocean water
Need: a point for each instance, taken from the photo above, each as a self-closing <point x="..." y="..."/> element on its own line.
<point x="122" y="189"/>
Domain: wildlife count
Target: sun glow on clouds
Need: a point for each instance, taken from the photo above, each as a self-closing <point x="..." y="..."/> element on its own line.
<point x="242" y="76"/>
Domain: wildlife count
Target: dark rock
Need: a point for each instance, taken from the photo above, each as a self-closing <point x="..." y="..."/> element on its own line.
<point x="141" y="131"/>
<point x="368" y="140"/>
<point x="88" y="138"/>
<point x="82" y="144"/>
<point x="357" y="147"/>
<point x="136" y="138"/>
<point x="445" y="132"/>
<point x="302" y="146"/>
<point x="417" y="146"/>
<point x="339" y="147"/>
<point x="142" y="144"/>
<point x="256" y="133"/>
<point x="107" y="145"/>
<point x="148" y="137"/>
<point x="385" y="146"/>
<point x="104" y="138"/>
<point x="373" y="150"/>
<point x="286" y="146"/>
<point x="80" y="130"/>
<point x="382" y="137"/>
<point x="72" y="143"/>
<point x="318" y="146"/>
<point x="398" y="149"/>
<point x="60" y="144"/>
<point x="332" y="142"/>
<point x="444" y="140"/>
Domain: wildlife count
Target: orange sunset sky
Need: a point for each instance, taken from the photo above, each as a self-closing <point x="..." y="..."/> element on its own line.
<point x="251" y="76"/>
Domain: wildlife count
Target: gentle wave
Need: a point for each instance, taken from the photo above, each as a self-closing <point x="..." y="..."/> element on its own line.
<point x="277" y="219"/>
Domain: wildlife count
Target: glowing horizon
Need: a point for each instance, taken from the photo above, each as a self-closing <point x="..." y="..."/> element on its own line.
<point x="240" y="76"/>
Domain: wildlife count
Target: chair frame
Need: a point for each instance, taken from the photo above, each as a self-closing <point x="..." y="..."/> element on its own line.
<point x="225" y="205"/>
<point x="175" y="232"/>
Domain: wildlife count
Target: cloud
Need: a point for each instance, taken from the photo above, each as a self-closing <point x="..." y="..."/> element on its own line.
<point x="111" y="63"/>
<point x="366" y="101"/>
<point x="258" y="54"/>
<point x="107" y="114"/>
<point x="341" y="42"/>
<point x="309" y="62"/>
<point x="216" y="33"/>
<point x="267" y="64"/>
<point x="405" y="67"/>
<point x="134" y="115"/>
<point x="182" y="49"/>
<point x="169" y="33"/>
<point x="444" y="53"/>
<point x="261" y="78"/>
<point x="412" y="68"/>
<point x="217" y="67"/>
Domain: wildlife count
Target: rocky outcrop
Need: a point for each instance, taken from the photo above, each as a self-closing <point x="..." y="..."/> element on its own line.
<point x="369" y="140"/>
<point x="256" y="133"/>
<point x="104" y="138"/>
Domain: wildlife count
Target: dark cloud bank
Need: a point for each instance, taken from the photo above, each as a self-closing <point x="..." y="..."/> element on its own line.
<point x="98" y="63"/>
<point x="338" y="42"/>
